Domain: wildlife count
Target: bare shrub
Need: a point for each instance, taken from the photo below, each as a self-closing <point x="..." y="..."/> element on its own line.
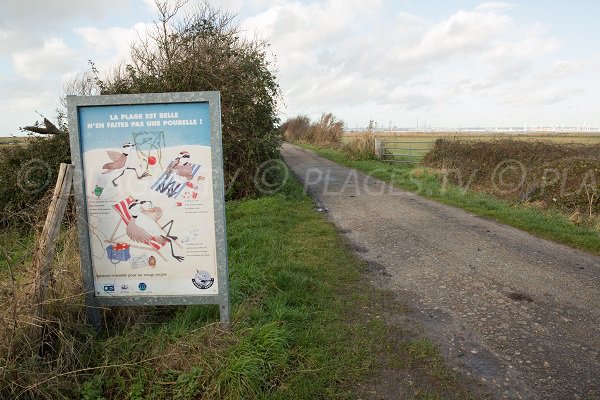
<point x="296" y="129"/>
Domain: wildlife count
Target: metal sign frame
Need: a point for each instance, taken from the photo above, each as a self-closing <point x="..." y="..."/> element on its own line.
<point x="93" y="302"/>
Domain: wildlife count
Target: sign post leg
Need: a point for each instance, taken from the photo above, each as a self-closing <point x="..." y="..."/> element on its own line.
<point x="93" y="316"/>
<point x="224" y="312"/>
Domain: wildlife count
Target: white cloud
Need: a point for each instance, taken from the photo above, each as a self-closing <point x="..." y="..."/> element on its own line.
<point x="494" y="6"/>
<point x="335" y="54"/>
<point x="54" y="57"/>
<point x="27" y="24"/>
<point x="108" y="46"/>
<point x="41" y="14"/>
<point x="565" y="68"/>
<point x="354" y="57"/>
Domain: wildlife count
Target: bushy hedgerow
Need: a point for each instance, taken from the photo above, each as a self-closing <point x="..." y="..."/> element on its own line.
<point x="205" y="51"/>
<point x="563" y="176"/>
<point x="27" y="171"/>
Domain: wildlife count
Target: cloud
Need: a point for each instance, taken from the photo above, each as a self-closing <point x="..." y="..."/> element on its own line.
<point x="332" y="53"/>
<point x="108" y="46"/>
<point x="495" y="6"/>
<point x="353" y="56"/>
<point x="243" y="8"/>
<point x="19" y="13"/>
<point x="565" y="68"/>
<point x="54" y="57"/>
<point x="26" y="24"/>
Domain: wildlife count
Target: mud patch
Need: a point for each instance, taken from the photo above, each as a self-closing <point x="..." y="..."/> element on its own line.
<point x="377" y="269"/>
<point x="520" y="296"/>
<point x="359" y="249"/>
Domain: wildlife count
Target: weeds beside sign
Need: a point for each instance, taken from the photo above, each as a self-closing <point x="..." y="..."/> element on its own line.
<point x="150" y="199"/>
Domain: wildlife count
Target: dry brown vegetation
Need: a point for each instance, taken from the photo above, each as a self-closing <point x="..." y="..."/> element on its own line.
<point x="28" y="359"/>
<point x="327" y="132"/>
<point x="361" y="146"/>
<point x="542" y="173"/>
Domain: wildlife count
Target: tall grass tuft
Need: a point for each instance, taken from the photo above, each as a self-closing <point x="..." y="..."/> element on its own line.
<point x="361" y="147"/>
<point x="328" y="131"/>
<point x="29" y="362"/>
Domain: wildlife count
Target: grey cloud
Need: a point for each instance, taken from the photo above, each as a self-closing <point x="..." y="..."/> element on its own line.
<point x="27" y="15"/>
<point x="25" y="23"/>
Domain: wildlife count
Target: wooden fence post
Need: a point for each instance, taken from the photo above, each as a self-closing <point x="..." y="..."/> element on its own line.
<point x="378" y="152"/>
<point x="46" y="245"/>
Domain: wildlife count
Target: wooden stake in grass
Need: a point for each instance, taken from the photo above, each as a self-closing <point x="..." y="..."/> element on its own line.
<point x="42" y="260"/>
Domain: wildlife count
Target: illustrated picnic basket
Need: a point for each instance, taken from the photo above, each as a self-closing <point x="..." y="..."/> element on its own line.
<point x="118" y="252"/>
<point x="122" y="208"/>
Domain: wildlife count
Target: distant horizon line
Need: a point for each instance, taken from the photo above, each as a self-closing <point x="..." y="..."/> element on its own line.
<point x="506" y="129"/>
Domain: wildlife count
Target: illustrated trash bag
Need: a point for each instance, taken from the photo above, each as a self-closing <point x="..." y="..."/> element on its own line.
<point x="118" y="252"/>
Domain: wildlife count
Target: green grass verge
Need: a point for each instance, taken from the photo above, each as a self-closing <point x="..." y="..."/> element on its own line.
<point x="548" y="224"/>
<point x="15" y="248"/>
<point x="305" y="326"/>
<point x="290" y="279"/>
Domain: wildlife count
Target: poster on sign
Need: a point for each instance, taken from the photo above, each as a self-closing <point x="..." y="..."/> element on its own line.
<point x="149" y="190"/>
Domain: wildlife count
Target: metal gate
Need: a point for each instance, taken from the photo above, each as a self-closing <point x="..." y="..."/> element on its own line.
<point x="402" y="151"/>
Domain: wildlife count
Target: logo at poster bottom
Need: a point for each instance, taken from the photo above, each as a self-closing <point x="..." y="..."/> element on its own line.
<point x="203" y="280"/>
<point x="109" y="288"/>
<point x="142" y="286"/>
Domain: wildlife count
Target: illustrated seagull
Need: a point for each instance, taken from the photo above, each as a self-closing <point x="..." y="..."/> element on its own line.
<point x="144" y="226"/>
<point x="182" y="171"/>
<point x="181" y="167"/>
<point x="120" y="162"/>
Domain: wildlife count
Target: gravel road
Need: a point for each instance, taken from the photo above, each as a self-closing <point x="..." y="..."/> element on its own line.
<point x="519" y="313"/>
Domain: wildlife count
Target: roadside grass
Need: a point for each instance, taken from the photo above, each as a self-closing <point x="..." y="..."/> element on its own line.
<point x="304" y="326"/>
<point x="426" y="182"/>
<point x="15" y="247"/>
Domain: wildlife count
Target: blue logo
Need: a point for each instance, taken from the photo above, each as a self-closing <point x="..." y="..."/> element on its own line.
<point x="141" y="286"/>
<point x="109" y="288"/>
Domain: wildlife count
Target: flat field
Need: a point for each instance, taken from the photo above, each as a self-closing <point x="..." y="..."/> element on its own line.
<point x="6" y="141"/>
<point x="406" y="146"/>
<point x="416" y="136"/>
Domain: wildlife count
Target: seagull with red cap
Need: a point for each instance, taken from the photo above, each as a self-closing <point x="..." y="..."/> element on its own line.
<point x="144" y="225"/>
<point x="181" y="167"/>
<point x="120" y="163"/>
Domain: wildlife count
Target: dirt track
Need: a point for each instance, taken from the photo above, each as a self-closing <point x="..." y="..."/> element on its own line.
<point x="521" y="314"/>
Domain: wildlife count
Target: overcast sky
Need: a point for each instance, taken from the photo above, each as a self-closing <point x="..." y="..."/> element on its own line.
<point x="450" y="63"/>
